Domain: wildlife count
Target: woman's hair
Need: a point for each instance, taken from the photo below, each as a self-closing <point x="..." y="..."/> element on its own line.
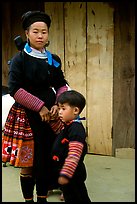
<point x="73" y="98"/>
<point x="31" y="17"/>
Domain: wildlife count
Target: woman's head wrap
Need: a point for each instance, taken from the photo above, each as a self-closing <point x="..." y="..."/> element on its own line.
<point x="31" y="17"/>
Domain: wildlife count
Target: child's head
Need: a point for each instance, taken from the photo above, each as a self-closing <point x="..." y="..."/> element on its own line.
<point x="71" y="103"/>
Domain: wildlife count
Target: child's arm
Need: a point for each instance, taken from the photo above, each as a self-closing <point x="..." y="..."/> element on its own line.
<point x="71" y="162"/>
<point x="57" y="125"/>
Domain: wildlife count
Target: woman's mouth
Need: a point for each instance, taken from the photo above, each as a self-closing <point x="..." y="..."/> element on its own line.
<point x="39" y="41"/>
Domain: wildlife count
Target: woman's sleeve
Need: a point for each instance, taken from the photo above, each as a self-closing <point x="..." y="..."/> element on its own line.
<point x="61" y="90"/>
<point x="58" y="79"/>
<point x="60" y="83"/>
<point x="15" y="78"/>
<point x="16" y="85"/>
<point x="28" y="100"/>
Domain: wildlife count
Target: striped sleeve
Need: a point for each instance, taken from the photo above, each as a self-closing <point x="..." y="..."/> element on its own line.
<point x="28" y="100"/>
<point x="71" y="162"/>
<point x="56" y="125"/>
<point x="61" y="90"/>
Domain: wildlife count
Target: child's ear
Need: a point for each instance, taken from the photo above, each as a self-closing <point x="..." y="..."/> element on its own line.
<point x="76" y="110"/>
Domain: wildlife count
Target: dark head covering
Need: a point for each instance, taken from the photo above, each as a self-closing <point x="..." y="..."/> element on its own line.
<point x="31" y="17"/>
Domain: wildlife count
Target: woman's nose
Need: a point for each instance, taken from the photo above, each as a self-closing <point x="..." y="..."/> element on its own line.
<point x="40" y="35"/>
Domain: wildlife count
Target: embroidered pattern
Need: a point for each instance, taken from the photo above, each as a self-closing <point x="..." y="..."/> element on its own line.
<point x="17" y="139"/>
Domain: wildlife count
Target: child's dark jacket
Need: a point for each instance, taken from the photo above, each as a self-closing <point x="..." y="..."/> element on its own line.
<point x="69" y="150"/>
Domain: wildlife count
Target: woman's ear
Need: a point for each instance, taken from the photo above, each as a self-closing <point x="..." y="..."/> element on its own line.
<point x="76" y="110"/>
<point x="26" y="33"/>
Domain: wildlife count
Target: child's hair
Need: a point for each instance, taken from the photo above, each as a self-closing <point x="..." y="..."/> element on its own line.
<point x="73" y="98"/>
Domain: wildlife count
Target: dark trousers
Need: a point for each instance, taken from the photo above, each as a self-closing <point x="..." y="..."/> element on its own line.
<point x="75" y="192"/>
<point x="43" y="141"/>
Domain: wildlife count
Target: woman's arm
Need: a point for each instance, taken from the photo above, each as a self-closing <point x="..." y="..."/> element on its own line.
<point x="16" y="85"/>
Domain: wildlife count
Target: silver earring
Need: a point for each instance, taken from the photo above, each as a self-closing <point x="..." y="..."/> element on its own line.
<point x="47" y="43"/>
<point x="28" y="41"/>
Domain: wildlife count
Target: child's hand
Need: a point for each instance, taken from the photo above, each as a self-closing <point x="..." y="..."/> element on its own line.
<point x="63" y="180"/>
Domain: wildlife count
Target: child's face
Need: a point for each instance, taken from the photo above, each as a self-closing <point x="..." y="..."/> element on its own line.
<point x="67" y="113"/>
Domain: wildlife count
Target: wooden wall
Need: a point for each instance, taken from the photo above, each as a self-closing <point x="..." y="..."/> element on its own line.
<point x="124" y="77"/>
<point x="100" y="35"/>
<point x="86" y="37"/>
<point x="95" y="41"/>
<point x="6" y="41"/>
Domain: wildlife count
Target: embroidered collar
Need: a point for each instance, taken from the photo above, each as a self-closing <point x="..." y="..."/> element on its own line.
<point x="35" y="53"/>
<point x="45" y="54"/>
<point x="78" y="119"/>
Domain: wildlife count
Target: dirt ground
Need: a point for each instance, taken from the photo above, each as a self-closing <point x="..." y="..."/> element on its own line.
<point x="110" y="179"/>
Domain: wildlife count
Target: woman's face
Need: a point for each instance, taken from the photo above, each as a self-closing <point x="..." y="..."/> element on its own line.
<point x="37" y="35"/>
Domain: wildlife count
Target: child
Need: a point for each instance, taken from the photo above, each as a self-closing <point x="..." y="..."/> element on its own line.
<point x="70" y="147"/>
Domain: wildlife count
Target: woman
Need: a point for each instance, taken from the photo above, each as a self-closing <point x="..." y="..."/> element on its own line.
<point x="35" y="82"/>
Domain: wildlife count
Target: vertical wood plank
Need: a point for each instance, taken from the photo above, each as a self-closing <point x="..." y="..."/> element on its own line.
<point x="100" y="35"/>
<point x="75" y="46"/>
<point x="6" y="41"/>
<point x="56" y="32"/>
<point x="124" y="77"/>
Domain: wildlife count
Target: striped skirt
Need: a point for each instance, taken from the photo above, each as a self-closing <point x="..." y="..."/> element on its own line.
<point x="17" y="138"/>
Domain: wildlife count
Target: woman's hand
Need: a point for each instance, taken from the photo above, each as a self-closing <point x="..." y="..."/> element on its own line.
<point x="63" y="180"/>
<point x="44" y="114"/>
<point x="54" y="112"/>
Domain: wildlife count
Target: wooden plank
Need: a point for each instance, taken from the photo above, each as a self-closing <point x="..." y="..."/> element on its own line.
<point x="6" y="41"/>
<point x="56" y="32"/>
<point x="100" y="34"/>
<point x="124" y="77"/>
<point x="75" y="46"/>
